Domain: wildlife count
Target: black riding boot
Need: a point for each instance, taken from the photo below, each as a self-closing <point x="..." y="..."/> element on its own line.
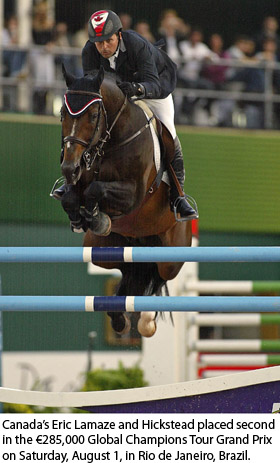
<point x="177" y="202"/>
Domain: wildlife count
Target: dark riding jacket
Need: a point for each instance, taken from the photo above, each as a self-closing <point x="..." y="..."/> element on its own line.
<point x="138" y="61"/>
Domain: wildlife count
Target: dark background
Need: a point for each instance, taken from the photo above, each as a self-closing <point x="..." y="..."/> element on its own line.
<point x="228" y="17"/>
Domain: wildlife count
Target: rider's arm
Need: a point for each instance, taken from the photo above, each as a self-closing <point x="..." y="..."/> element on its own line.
<point x="142" y="58"/>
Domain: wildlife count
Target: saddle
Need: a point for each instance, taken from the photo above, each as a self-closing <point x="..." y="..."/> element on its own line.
<point x="167" y="148"/>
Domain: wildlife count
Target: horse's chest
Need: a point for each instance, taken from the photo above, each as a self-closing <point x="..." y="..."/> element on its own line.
<point x="110" y="171"/>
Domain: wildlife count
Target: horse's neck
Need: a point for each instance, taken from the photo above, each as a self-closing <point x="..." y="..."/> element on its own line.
<point x="127" y="121"/>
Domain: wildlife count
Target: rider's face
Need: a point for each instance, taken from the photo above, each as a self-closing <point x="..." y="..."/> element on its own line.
<point x="108" y="47"/>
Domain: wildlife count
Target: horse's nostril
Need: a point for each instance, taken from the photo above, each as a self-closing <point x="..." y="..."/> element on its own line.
<point x="71" y="172"/>
<point x="76" y="172"/>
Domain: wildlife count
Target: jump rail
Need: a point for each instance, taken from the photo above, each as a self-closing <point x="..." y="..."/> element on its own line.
<point x="239" y="359"/>
<point x="236" y="345"/>
<point x="140" y="303"/>
<point x="231" y="287"/>
<point x="140" y="254"/>
<point x="251" y="319"/>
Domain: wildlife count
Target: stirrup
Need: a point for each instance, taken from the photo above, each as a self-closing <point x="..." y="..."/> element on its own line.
<point x="58" y="183"/>
<point x="193" y="204"/>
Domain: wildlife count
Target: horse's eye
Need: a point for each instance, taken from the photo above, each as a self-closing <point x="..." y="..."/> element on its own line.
<point x="93" y="117"/>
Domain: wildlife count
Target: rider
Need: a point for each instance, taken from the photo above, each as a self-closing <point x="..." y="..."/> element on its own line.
<point x="146" y="72"/>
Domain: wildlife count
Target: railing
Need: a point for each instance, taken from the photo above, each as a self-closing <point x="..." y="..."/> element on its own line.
<point x="25" y="83"/>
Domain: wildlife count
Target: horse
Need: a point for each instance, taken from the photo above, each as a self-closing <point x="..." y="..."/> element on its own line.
<point x="114" y="191"/>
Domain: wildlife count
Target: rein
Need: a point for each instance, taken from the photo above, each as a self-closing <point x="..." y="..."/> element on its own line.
<point x="92" y="151"/>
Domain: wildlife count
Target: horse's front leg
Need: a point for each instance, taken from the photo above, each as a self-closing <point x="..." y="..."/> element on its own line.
<point x="118" y="196"/>
<point x="71" y="202"/>
<point x="98" y="222"/>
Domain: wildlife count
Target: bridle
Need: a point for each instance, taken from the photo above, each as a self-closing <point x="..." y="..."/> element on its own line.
<point x="93" y="151"/>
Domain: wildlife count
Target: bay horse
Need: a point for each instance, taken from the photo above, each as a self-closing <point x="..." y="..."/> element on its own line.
<point x="113" y="190"/>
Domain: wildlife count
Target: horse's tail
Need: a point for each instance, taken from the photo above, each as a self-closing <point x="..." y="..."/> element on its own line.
<point x="141" y="279"/>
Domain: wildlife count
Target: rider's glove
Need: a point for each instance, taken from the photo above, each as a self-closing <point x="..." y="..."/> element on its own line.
<point x="132" y="89"/>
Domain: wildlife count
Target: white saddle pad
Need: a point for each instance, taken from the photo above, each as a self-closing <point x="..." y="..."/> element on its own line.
<point x="148" y="113"/>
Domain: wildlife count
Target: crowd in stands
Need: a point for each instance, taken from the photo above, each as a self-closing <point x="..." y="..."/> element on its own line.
<point x="204" y="64"/>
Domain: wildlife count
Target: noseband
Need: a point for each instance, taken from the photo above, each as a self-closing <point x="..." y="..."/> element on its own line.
<point x="93" y="150"/>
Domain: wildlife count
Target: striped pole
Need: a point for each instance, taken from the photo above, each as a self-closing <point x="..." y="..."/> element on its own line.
<point x="231" y="287"/>
<point x="141" y="303"/>
<point x="213" y="372"/>
<point x="239" y="359"/>
<point x="140" y="254"/>
<point x="256" y="319"/>
<point x="237" y="345"/>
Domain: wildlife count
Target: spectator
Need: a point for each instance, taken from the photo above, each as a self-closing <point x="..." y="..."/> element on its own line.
<point x="195" y="54"/>
<point x="143" y="28"/>
<point x="166" y="18"/>
<point x="216" y="73"/>
<point x="126" y="21"/>
<point x="228" y="107"/>
<point x="269" y="55"/>
<point x="42" y="61"/>
<point x="63" y="40"/>
<point x="14" y="60"/>
<point x="81" y="36"/>
<point x="79" y="40"/>
<point x="248" y="79"/>
<point x="269" y="30"/>
<point x="173" y="30"/>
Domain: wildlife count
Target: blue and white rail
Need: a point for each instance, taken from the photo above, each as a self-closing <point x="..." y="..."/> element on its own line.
<point x="140" y="254"/>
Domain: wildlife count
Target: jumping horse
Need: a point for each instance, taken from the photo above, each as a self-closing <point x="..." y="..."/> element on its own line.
<point x="113" y="189"/>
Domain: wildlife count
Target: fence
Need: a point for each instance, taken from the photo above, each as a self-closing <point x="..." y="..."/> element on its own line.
<point x="212" y="357"/>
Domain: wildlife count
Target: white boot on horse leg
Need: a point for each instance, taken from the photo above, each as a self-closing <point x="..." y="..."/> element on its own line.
<point x="147" y="324"/>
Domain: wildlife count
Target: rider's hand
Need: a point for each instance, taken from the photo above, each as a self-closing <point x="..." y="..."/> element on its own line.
<point x="132" y="89"/>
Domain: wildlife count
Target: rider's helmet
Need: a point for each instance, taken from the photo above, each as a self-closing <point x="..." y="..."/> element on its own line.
<point x="102" y="25"/>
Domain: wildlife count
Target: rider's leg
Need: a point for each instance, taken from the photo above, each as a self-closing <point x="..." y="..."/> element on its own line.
<point x="180" y="202"/>
<point x="164" y="110"/>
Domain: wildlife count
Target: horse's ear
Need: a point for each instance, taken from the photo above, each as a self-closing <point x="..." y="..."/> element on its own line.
<point x="100" y="76"/>
<point x="69" y="78"/>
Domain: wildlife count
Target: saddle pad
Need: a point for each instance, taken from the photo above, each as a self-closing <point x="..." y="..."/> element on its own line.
<point x="148" y="113"/>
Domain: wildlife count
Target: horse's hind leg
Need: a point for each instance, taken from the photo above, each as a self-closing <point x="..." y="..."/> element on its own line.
<point x="141" y="280"/>
<point x="119" y="320"/>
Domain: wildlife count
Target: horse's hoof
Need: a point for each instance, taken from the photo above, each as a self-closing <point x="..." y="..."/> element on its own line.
<point x="147" y="324"/>
<point x="102" y="225"/>
<point x="120" y="323"/>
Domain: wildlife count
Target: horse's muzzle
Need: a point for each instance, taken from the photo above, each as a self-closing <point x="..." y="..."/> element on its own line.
<point x="71" y="171"/>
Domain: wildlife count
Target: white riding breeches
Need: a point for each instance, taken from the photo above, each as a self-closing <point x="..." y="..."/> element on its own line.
<point x="164" y="110"/>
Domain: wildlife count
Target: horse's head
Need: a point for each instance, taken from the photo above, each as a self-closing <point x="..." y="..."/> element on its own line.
<point x="84" y="123"/>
